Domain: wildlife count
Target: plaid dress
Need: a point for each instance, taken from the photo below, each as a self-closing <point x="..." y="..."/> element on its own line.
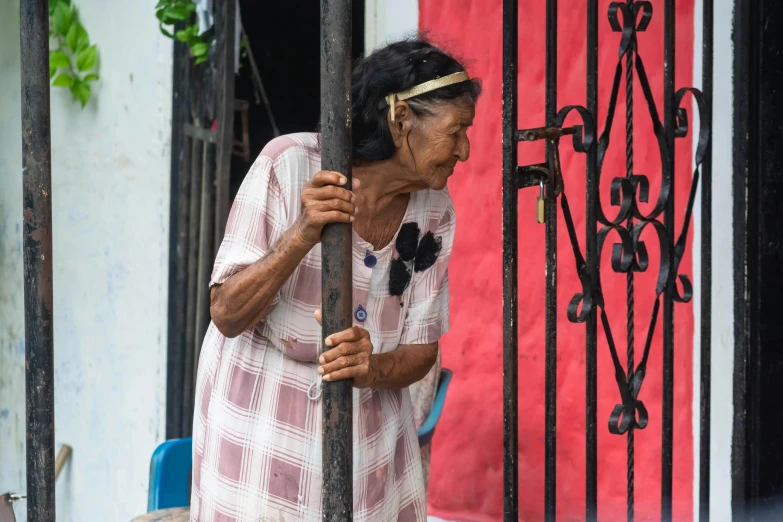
<point x="257" y="425"/>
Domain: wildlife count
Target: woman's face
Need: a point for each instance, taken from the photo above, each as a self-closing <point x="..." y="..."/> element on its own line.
<point x="435" y="143"/>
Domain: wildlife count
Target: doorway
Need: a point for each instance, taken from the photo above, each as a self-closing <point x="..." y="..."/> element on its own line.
<point x="283" y="39"/>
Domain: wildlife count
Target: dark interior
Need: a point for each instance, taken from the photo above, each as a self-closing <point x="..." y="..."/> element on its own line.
<point x="285" y="41"/>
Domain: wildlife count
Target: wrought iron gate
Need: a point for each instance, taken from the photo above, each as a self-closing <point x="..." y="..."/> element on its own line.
<point x="625" y="228"/>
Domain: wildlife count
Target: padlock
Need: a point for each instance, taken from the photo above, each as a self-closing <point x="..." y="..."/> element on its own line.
<point x="540" y="208"/>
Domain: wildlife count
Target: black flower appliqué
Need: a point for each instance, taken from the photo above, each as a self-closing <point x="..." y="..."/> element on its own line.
<point x="415" y="255"/>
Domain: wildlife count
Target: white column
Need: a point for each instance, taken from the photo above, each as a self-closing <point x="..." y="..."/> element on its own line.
<point x="722" y="412"/>
<point x="389" y="20"/>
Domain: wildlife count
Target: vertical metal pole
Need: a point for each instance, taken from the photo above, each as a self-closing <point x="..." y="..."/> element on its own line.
<point x="37" y="193"/>
<point x="206" y="249"/>
<point x="190" y="364"/>
<point x="336" y="284"/>
<point x="226" y="21"/>
<point x="510" y="323"/>
<point x="667" y="436"/>
<point x="178" y="248"/>
<point x="706" y="271"/>
<point x="592" y="260"/>
<point x="550" y="434"/>
<point x="746" y="121"/>
<point x="629" y="294"/>
<point x="178" y="288"/>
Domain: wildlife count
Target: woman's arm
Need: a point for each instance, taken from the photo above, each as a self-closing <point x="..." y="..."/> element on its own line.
<point x="246" y="297"/>
<point x="352" y="358"/>
<point x="407" y="364"/>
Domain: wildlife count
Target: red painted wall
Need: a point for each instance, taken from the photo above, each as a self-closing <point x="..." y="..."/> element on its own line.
<point x="467" y="471"/>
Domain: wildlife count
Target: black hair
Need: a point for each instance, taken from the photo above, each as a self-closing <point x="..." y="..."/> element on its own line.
<point x="392" y="69"/>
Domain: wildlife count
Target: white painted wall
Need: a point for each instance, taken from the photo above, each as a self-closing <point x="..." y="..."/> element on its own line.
<point x="722" y="269"/>
<point x="389" y="20"/>
<point x="110" y="198"/>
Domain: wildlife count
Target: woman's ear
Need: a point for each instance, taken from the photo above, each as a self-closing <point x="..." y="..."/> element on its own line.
<point x="402" y="124"/>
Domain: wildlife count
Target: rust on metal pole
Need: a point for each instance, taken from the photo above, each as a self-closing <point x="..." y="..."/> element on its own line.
<point x="37" y="194"/>
<point x="336" y="284"/>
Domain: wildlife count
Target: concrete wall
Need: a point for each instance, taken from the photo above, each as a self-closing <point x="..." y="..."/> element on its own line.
<point x="110" y="209"/>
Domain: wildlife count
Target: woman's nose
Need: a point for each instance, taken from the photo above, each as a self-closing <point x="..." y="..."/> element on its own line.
<point x="463" y="149"/>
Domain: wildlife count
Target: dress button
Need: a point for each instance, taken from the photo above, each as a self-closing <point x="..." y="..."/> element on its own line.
<point x="369" y="260"/>
<point x="361" y="314"/>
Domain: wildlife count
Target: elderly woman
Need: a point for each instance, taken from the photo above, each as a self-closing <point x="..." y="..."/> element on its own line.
<point x="257" y="427"/>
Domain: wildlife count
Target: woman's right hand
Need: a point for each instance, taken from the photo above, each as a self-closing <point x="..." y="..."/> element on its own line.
<point x="324" y="200"/>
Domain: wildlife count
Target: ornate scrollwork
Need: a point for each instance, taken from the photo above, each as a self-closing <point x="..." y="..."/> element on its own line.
<point x="629" y="253"/>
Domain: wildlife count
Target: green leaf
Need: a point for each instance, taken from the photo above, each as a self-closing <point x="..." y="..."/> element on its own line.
<point x="176" y="13"/>
<point x="81" y="92"/>
<point x="183" y="36"/>
<point x="85" y="59"/>
<point x="63" y="80"/>
<point x="63" y="16"/>
<point x="201" y="59"/>
<point x="70" y="38"/>
<point x="165" y="32"/>
<point x="193" y="37"/>
<point x="52" y="70"/>
<point x="58" y="59"/>
<point x="91" y="77"/>
<point x="77" y="38"/>
<point x="161" y="4"/>
<point x="200" y="49"/>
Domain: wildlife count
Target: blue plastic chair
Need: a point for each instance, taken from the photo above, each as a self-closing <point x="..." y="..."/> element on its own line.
<point x="170" y="475"/>
<point x="172" y="461"/>
<point x="428" y="428"/>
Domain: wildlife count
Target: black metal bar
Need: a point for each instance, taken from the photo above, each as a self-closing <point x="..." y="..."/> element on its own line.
<point x="706" y="270"/>
<point x="178" y="295"/>
<point x="38" y="312"/>
<point x="206" y="249"/>
<point x="510" y="288"/>
<point x="550" y="434"/>
<point x="592" y="260"/>
<point x="225" y="20"/>
<point x="669" y="107"/>
<point x="545" y="133"/>
<point x="336" y="285"/>
<point x="178" y="247"/>
<point x="746" y="86"/>
<point x="531" y="175"/>
<point x="629" y="299"/>
<point x="191" y="312"/>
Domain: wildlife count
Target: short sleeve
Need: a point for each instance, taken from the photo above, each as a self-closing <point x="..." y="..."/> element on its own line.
<point x="257" y="220"/>
<point x="427" y="318"/>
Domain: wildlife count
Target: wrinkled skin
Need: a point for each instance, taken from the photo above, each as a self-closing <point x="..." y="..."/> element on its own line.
<point x="430" y="146"/>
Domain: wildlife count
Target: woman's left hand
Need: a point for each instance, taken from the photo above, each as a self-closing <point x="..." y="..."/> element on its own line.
<point x="350" y="357"/>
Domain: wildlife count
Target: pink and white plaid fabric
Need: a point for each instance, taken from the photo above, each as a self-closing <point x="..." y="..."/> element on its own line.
<point x="257" y="432"/>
